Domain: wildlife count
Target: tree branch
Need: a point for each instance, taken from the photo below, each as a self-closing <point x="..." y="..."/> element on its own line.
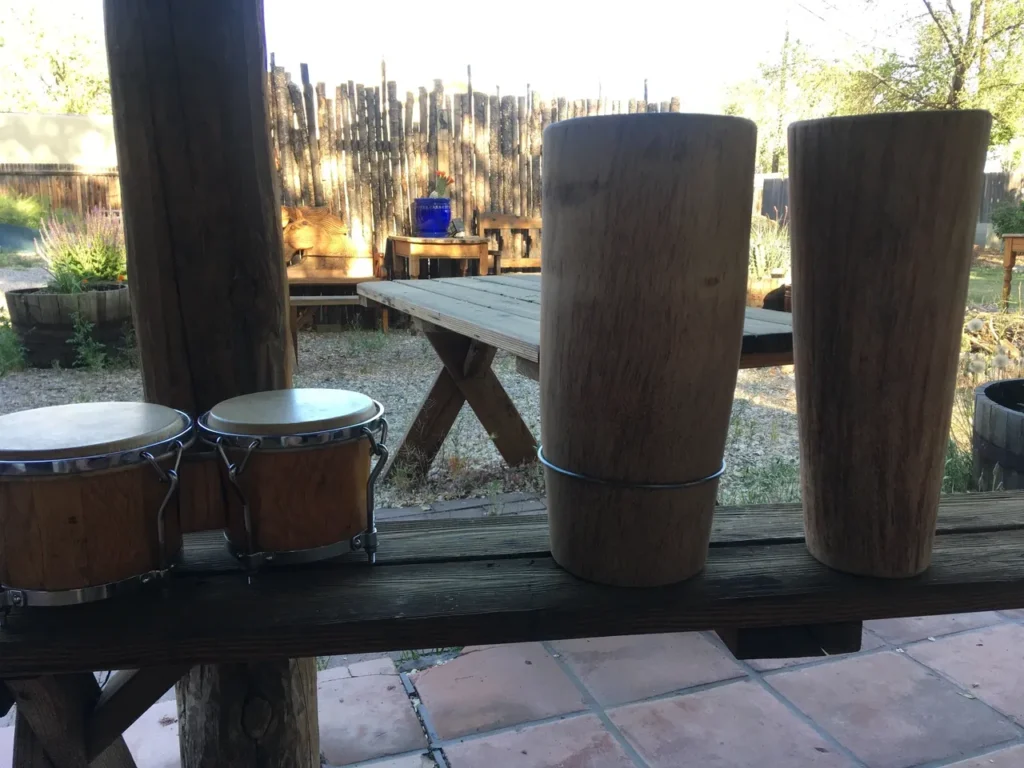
<point x="942" y="29"/>
<point x="1004" y="30"/>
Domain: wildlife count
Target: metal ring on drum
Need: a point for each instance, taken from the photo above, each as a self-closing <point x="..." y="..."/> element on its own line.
<point x="97" y="484"/>
<point x="299" y="465"/>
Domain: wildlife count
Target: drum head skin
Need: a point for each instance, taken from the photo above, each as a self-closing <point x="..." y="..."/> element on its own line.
<point x="290" y="412"/>
<point x="80" y="430"/>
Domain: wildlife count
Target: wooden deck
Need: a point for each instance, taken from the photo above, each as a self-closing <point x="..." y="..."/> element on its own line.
<point x="492" y="580"/>
<point x="504" y="312"/>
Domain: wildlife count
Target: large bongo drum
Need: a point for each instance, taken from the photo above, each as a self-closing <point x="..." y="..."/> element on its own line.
<point x="299" y="463"/>
<point x="88" y="504"/>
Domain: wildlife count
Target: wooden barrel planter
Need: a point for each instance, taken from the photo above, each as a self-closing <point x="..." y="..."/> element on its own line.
<point x="44" y="322"/>
<point x="998" y="445"/>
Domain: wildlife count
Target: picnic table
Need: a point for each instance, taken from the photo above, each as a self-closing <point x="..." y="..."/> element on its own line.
<point x="468" y="319"/>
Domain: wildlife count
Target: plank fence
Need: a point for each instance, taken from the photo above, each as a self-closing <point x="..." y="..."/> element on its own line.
<point x="366" y="151"/>
<point x="73" y="188"/>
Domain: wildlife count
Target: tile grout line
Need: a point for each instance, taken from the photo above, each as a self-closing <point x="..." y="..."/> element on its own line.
<point x="973" y="755"/>
<point x="965" y="692"/>
<point x="444" y="743"/>
<point x="595" y="708"/>
<point x="376" y="761"/>
<point x="420" y="710"/>
<point x="758" y="679"/>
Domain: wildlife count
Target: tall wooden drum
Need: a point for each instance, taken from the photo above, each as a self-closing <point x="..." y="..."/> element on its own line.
<point x="299" y="462"/>
<point x="883" y="213"/>
<point x="88" y="503"/>
<point x="646" y="232"/>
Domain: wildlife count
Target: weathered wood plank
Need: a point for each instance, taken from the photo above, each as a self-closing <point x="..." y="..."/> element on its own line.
<point x="124" y="699"/>
<point x="339" y="608"/>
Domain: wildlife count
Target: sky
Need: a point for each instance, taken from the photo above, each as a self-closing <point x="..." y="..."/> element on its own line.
<point x="693" y="50"/>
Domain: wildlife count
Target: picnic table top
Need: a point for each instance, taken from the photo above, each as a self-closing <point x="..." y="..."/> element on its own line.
<point x="460" y="582"/>
<point x="504" y="311"/>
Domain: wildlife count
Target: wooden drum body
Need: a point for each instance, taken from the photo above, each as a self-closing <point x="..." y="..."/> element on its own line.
<point x="299" y="461"/>
<point x="88" y="502"/>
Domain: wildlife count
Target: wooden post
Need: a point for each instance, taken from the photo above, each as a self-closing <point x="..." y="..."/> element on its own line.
<point x="482" y="195"/>
<point x="311" y="137"/>
<point x="283" y="115"/>
<point x="494" y="149"/>
<point x="208" y="288"/>
<point x="300" y="142"/>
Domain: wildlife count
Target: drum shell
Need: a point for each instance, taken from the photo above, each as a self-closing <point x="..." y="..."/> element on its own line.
<point x="301" y="498"/>
<point x="71" y="531"/>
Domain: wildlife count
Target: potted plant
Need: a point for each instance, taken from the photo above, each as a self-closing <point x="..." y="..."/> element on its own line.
<point x="433" y="214"/>
<point x="87" y="295"/>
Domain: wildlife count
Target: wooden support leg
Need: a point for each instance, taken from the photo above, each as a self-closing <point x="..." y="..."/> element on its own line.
<point x="466" y="377"/>
<point x="1009" y="260"/>
<point x="793" y="642"/>
<point x="414" y="267"/>
<point x="55" y="711"/>
<point x="266" y="715"/>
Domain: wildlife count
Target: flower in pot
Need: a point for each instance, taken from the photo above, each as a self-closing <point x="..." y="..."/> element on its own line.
<point x="433" y="214"/>
<point x="87" y="290"/>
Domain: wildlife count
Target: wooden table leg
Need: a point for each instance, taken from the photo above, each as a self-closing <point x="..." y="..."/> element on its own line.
<point x="1009" y="260"/>
<point x="414" y="267"/>
<point x="51" y="724"/>
<point x="466" y="377"/>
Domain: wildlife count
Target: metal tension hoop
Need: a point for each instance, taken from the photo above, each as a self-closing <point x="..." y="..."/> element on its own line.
<point x="625" y="485"/>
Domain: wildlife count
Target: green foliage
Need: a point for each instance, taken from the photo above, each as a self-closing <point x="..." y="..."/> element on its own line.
<point x="53" y="60"/>
<point x="80" y="252"/>
<point x="12" y="356"/>
<point x="769" y="246"/>
<point x="89" y="353"/>
<point x="23" y="211"/>
<point x="1008" y="217"/>
<point x="777" y="481"/>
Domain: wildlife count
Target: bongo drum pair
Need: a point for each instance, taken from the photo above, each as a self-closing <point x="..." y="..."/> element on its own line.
<point x="88" y="492"/>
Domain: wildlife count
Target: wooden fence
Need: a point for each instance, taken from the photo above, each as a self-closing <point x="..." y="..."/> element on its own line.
<point x="71" y="187"/>
<point x="998" y="188"/>
<point x="366" y="152"/>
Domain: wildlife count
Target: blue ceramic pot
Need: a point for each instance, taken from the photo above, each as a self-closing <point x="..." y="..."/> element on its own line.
<point x="432" y="216"/>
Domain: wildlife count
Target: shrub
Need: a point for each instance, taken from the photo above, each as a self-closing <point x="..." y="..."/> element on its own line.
<point x="12" y="356"/>
<point x="1008" y="217"/>
<point x="89" y="353"/>
<point x="769" y="246"/>
<point x="23" y="211"/>
<point x="80" y="251"/>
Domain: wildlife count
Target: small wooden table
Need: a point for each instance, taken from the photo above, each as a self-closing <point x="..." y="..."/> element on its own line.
<point x="461" y="248"/>
<point x="1012" y="245"/>
<point x="468" y="319"/>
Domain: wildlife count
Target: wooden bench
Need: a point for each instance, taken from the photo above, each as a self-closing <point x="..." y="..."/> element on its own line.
<point x="505" y="224"/>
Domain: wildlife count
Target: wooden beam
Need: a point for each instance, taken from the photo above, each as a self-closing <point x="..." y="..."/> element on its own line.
<point x="461" y="582"/>
<point x="208" y="282"/>
<point x="57" y="708"/>
<point x="795" y="642"/>
<point x="125" y="698"/>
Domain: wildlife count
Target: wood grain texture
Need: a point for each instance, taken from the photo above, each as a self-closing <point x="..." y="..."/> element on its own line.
<point x="265" y="716"/>
<point x="475" y="585"/>
<point x="128" y="694"/>
<point x="203" y="229"/>
<point x="57" y="708"/>
<point x="883" y="209"/>
<point x="74" y="531"/>
<point x="674" y="191"/>
<point x="301" y="498"/>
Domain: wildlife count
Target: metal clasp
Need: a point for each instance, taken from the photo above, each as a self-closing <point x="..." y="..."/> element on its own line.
<point x="170" y="477"/>
<point x="234" y="472"/>
<point x="367" y="540"/>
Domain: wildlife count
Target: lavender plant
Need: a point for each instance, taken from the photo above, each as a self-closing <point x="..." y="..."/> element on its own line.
<point x="81" y="253"/>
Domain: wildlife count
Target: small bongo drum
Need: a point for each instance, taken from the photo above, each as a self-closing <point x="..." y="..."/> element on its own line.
<point x="88" y="505"/>
<point x="299" y="463"/>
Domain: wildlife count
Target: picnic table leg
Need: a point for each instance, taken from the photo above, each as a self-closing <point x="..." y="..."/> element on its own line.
<point x="414" y="267"/>
<point x="466" y="377"/>
<point x="1009" y="260"/>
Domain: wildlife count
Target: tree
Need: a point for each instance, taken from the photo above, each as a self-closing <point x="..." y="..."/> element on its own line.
<point x="795" y="86"/>
<point x="52" y="63"/>
<point x="969" y="57"/>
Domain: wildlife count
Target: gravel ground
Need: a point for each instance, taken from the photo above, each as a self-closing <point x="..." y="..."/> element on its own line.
<point x="398" y="369"/>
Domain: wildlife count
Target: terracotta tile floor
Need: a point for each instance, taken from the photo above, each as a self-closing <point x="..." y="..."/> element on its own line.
<point x="929" y="692"/>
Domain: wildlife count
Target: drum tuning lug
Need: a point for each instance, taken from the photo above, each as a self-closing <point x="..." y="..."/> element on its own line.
<point x="356" y="542"/>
